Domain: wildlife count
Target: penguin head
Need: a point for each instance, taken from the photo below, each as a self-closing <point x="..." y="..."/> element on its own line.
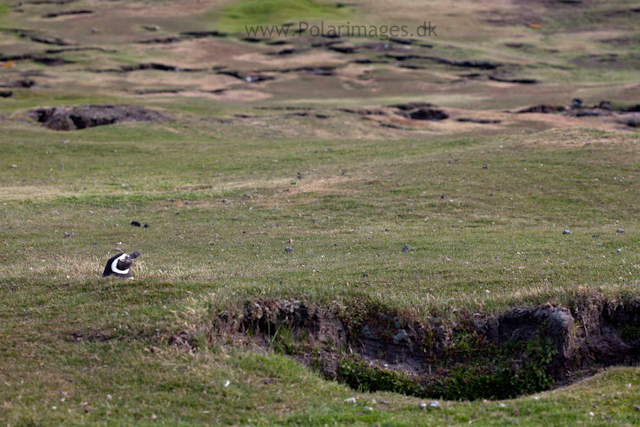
<point x="120" y="265"/>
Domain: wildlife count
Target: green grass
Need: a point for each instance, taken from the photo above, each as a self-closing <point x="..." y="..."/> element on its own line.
<point x="244" y="13"/>
<point x="225" y="195"/>
<point x="497" y="229"/>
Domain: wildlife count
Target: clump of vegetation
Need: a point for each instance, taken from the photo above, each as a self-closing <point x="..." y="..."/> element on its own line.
<point x="362" y="377"/>
<point x="629" y="333"/>
<point x="496" y="372"/>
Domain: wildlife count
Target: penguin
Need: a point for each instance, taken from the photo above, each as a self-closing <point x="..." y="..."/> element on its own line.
<point x="119" y="265"/>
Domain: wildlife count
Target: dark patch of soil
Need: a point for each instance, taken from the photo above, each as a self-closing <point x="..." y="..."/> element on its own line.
<point x="403" y="56"/>
<point x="23" y="83"/>
<point x="410" y="66"/>
<point x="481" y="121"/>
<point x="543" y="108"/>
<point x="363" y="111"/>
<point x="525" y="350"/>
<point x="520" y="81"/>
<point x="631" y="122"/>
<point x="68" y="12"/>
<point x="86" y="116"/>
<point x="202" y="34"/>
<point x="401" y="40"/>
<point x="483" y="65"/>
<point x="251" y="78"/>
<point x="347" y="49"/>
<point x="306" y="114"/>
<point x="328" y="70"/>
<point x="157" y="66"/>
<point x="369" y="61"/>
<point x="38" y="38"/>
<point x="160" y="40"/>
<point x="412" y="106"/>
<point x="52" y="61"/>
<point x="77" y="49"/>
<point x="429" y="114"/>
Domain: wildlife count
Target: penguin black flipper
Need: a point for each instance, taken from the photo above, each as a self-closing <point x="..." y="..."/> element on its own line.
<point x="120" y="265"/>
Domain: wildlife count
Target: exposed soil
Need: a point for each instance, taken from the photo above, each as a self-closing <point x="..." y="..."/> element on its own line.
<point x="369" y="344"/>
<point x="68" y="12"/>
<point x="86" y="116"/>
<point x="430" y="114"/>
<point x="160" y="40"/>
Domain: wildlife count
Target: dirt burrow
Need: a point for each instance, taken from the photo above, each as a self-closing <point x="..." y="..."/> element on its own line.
<point x="86" y="116"/>
<point x="526" y="349"/>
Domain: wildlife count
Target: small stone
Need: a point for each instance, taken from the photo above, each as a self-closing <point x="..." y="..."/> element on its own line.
<point x="637" y="408"/>
<point x="406" y="248"/>
<point x="350" y="400"/>
<point x="227" y="383"/>
<point x="14" y="166"/>
<point x="502" y="405"/>
<point x="153" y="416"/>
<point x="435" y="404"/>
<point x="485" y="167"/>
<point x="401" y="336"/>
<point x="147" y="225"/>
<point x="368" y="408"/>
<point x="619" y="230"/>
<point x="595" y="235"/>
<point x="423" y="406"/>
<point x="365" y="274"/>
<point x="68" y="234"/>
<point x="288" y="249"/>
<point x="566" y="232"/>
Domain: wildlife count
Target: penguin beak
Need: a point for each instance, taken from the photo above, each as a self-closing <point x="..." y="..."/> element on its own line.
<point x="134" y="255"/>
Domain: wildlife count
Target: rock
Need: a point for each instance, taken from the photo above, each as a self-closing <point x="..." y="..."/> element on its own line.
<point x="620" y="230"/>
<point x="566" y="232"/>
<point x="13" y="166"/>
<point x="406" y="248"/>
<point x="288" y="249"/>
<point x="577" y="102"/>
<point x="401" y="337"/>
<point x="595" y="235"/>
<point x="350" y="400"/>
<point x="485" y="167"/>
<point x="68" y="234"/>
<point x="435" y="404"/>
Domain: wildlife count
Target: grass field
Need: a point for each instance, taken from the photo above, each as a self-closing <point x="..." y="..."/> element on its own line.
<point x="235" y="177"/>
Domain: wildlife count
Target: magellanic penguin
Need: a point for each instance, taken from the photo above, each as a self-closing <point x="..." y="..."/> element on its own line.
<point x="120" y="265"/>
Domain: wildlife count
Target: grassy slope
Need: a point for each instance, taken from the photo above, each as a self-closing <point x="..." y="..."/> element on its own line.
<point x="390" y="193"/>
<point x="97" y="350"/>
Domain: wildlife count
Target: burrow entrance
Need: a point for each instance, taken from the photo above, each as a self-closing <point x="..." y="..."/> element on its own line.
<point x="525" y="350"/>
